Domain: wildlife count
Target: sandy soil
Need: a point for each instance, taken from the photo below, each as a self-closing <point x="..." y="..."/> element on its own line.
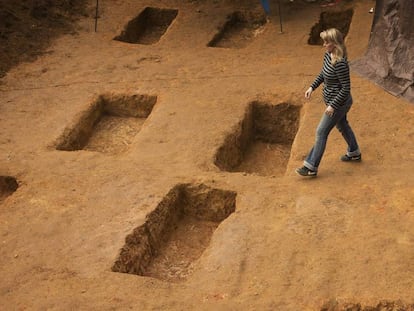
<point x="342" y="241"/>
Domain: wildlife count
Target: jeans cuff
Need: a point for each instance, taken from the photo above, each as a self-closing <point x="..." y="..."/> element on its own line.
<point x="355" y="153"/>
<point x="310" y="166"/>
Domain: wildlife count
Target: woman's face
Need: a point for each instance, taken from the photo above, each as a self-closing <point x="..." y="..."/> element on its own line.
<point x="329" y="46"/>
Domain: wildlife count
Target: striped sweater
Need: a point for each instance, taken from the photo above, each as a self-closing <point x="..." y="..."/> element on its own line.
<point x="337" y="83"/>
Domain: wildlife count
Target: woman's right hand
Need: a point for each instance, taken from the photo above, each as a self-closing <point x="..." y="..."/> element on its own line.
<point x="308" y="92"/>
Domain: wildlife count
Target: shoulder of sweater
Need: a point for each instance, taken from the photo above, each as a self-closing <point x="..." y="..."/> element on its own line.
<point x="342" y="62"/>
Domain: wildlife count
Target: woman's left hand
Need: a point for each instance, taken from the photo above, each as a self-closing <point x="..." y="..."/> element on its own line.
<point x="329" y="111"/>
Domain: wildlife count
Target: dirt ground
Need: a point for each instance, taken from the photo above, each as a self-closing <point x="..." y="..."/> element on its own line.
<point x="156" y="159"/>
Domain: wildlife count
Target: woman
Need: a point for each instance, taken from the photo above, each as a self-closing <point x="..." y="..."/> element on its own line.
<point x="338" y="101"/>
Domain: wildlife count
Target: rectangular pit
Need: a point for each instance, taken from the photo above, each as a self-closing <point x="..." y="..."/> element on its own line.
<point x="383" y="305"/>
<point x="176" y="233"/>
<point x="148" y="27"/>
<point x="261" y="143"/>
<point x="340" y="20"/>
<point x="239" y="30"/>
<point x="8" y="185"/>
<point x="109" y="125"/>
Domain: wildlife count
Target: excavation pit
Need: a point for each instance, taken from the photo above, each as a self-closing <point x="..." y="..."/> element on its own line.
<point x="109" y="125"/>
<point x="148" y="27"/>
<point x="176" y="233"/>
<point x="8" y="185"/>
<point x="261" y="143"/>
<point x="239" y="30"/>
<point x="381" y="306"/>
<point x="335" y="19"/>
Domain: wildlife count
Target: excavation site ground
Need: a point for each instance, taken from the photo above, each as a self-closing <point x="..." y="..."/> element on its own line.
<point x="149" y="165"/>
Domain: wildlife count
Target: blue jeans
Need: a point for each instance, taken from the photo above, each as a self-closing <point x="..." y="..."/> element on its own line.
<point x="325" y="126"/>
<point x="266" y="6"/>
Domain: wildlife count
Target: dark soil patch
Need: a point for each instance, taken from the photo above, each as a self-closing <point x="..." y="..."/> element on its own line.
<point x="27" y="27"/>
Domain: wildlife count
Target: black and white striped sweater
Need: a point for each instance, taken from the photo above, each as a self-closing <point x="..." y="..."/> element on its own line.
<point x="337" y="83"/>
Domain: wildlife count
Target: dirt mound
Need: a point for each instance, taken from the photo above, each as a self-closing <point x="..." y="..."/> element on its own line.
<point x="28" y="26"/>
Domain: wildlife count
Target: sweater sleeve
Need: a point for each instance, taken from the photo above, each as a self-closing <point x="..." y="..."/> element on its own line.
<point x="318" y="81"/>
<point x="320" y="78"/>
<point x="342" y="72"/>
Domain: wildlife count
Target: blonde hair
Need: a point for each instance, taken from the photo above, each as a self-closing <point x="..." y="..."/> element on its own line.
<point x="334" y="36"/>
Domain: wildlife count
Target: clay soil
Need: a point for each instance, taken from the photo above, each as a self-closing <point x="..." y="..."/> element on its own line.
<point x="341" y="241"/>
